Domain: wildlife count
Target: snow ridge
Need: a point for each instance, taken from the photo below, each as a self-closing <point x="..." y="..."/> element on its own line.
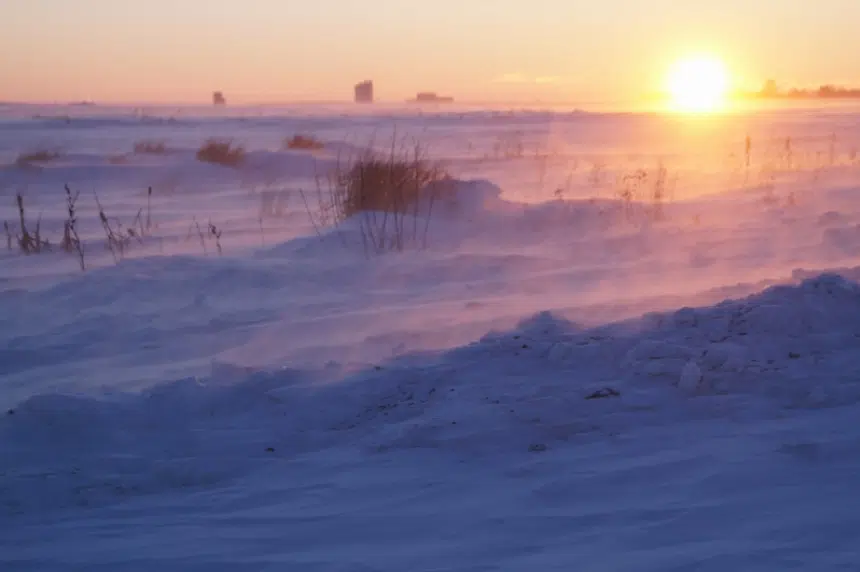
<point x="545" y="382"/>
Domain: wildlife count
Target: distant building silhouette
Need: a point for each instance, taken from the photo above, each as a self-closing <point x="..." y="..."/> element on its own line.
<point x="431" y="97"/>
<point x="770" y="88"/>
<point x="218" y="98"/>
<point x="364" y="92"/>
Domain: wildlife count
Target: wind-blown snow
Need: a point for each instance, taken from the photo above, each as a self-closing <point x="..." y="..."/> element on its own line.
<point x="555" y="382"/>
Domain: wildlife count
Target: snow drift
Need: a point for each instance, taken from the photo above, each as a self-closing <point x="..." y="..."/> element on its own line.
<point x="790" y="346"/>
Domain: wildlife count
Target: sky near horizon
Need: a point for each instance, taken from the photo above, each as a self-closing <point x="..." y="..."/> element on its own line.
<point x="179" y="51"/>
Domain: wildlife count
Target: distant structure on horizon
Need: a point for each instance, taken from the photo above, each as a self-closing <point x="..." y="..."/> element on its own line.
<point x="770" y="90"/>
<point x="218" y="98"/>
<point x="431" y="97"/>
<point x="364" y="92"/>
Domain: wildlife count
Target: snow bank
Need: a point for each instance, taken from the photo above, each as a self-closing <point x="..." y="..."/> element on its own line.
<point x="792" y="346"/>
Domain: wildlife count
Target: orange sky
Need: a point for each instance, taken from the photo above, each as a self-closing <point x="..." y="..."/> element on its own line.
<point x="179" y="51"/>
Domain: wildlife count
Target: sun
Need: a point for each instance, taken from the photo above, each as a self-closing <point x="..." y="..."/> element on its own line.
<point x="698" y="84"/>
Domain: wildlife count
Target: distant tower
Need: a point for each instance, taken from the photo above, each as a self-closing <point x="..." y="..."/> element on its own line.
<point x="364" y="92"/>
<point x="770" y="89"/>
<point x="218" y="98"/>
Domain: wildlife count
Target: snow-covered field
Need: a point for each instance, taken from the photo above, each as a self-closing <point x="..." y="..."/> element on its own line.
<point x="551" y="378"/>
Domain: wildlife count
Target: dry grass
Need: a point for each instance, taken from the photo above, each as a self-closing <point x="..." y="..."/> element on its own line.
<point x="31" y="158"/>
<point x="386" y="194"/>
<point x="28" y="243"/>
<point x="71" y="239"/>
<point x="150" y="148"/>
<point x="221" y="152"/>
<point x="304" y="143"/>
<point x="385" y="184"/>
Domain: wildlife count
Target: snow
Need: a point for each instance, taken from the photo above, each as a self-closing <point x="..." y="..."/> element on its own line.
<point x="557" y="381"/>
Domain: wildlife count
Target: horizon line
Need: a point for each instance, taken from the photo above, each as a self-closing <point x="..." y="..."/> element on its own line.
<point x="592" y="100"/>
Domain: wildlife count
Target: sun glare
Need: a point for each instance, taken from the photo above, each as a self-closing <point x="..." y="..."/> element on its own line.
<point x="698" y="84"/>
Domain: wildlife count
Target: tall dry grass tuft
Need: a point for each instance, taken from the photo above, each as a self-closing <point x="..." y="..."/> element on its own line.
<point x="385" y="184"/>
<point x="71" y="240"/>
<point x="304" y="143"/>
<point x="29" y="243"/>
<point x="118" y="238"/>
<point x="221" y="152"/>
<point x="215" y="234"/>
<point x="629" y="187"/>
<point x="32" y="158"/>
<point x="391" y="195"/>
<point x="150" y="148"/>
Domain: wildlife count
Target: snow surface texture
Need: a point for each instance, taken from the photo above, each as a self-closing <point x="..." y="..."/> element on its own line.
<point x="558" y="381"/>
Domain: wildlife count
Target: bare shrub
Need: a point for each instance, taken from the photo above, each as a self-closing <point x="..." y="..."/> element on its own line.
<point x="212" y="233"/>
<point x="118" y="237"/>
<point x="29" y="243"/>
<point x="386" y="193"/>
<point x="191" y="229"/>
<point x="31" y="158"/>
<point x="221" y="152"/>
<point x="629" y="187"/>
<point x="304" y="143"/>
<point x="71" y="241"/>
<point x="215" y="234"/>
<point x="150" y="148"/>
